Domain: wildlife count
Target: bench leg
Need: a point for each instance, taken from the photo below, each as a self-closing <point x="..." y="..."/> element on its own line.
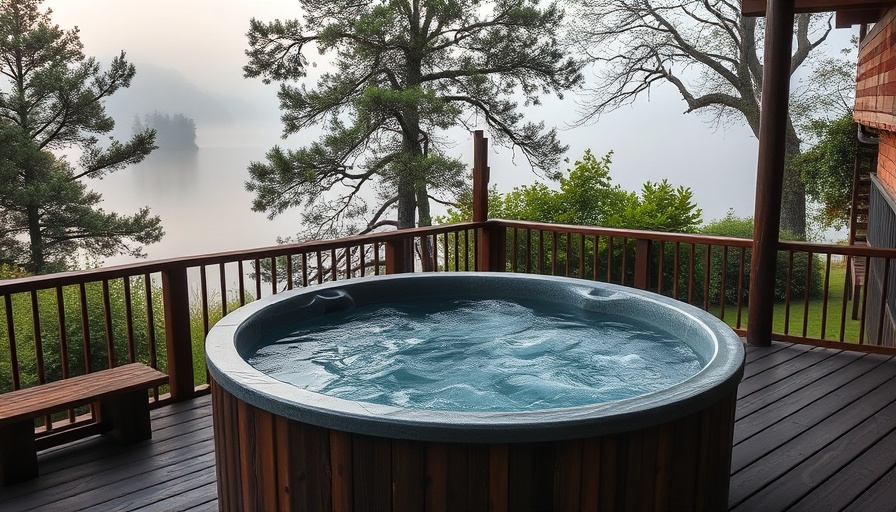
<point x="126" y="417"/>
<point x="18" y="453"/>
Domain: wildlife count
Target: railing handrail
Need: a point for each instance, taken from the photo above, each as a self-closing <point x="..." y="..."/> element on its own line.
<point x="659" y="236"/>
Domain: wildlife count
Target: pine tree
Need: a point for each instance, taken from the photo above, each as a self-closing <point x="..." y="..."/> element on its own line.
<point x="53" y="100"/>
<point x="403" y="72"/>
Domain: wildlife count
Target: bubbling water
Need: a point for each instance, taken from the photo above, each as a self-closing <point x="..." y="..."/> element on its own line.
<point x="476" y="355"/>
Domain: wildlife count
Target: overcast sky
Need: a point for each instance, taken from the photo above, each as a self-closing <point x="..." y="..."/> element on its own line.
<point x="204" y="40"/>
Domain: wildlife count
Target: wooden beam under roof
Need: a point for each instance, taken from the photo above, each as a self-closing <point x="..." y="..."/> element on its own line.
<point x="757" y="7"/>
<point x="846" y="19"/>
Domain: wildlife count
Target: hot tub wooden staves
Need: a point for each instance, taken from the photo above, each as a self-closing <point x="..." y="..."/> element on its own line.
<point x="268" y="462"/>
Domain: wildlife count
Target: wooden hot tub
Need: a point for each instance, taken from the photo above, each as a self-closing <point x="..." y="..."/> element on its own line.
<point x="281" y="447"/>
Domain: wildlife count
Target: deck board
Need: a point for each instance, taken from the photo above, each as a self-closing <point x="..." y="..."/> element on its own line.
<point x="815" y="430"/>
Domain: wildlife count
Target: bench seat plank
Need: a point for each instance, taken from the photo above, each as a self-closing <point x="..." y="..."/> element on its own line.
<point x="76" y="391"/>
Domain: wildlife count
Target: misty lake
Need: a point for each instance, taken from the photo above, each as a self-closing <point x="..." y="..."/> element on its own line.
<point x="201" y="198"/>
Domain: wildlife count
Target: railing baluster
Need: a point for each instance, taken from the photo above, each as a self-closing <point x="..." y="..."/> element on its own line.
<point x="107" y="324"/>
<point x="241" y="282"/>
<point x="151" y="327"/>
<point x="445" y="252"/>
<point x="844" y="302"/>
<point x="787" y="288"/>
<point x="692" y="258"/>
<point x="222" y="282"/>
<point x="659" y="272"/>
<point x="864" y="303"/>
<point x="203" y="295"/>
<point x="581" y="257"/>
<point x="624" y="260"/>
<point x="13" y="351"/>
<point x="675" y="265"/>
<point x="467" y="250"/>
<point x="824" y="295"/>
<point x="129" y="319"/>
<point x="273" y="275"/>
<point x="740" y="286"/>
<point x="304" y="269"/>
<point x="609" y="259"/>
<point x="568" y="252"/>
<point x="257" y="279"/>
<point x="376" y="259"/>
<point x="707" y="272"/>
<point x="63" y="333"/>
<point x="320" y="268"/>
<point x="885" y="285"/>
<point x="289" y="272"/>
<point x="85" y="329"/>
<point x="362" y="258"/>
<point x="724" y="279"/>
<point x="334" y="271"/>
<point x="38" y="340"/>
<point x="595" y="252"/>
<point x="554" y="241"/>
<point x="513" y="251"/>
<point x="806" y="288"/>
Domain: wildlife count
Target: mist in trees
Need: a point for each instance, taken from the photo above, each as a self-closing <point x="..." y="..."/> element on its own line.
<point x="52" y="99"/>
<point x="712" y="56"/>
<point x="175" y="132"/>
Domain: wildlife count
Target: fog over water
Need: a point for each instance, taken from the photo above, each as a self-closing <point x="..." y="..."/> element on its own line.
<point x="189" y="58"/>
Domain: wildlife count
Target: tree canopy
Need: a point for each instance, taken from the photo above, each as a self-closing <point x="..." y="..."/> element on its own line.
<point x="53" y="100"/>
<point x="712" y="56"/>
<point x="399" y="73"/>
<point x="827" y="168"/>
<point x="588" y="197"/>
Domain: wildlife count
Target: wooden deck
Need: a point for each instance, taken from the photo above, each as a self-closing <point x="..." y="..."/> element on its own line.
<point x="816" y="430"/>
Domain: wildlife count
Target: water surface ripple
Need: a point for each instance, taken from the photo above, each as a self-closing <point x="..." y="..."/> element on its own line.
<point x="483" y="355"/>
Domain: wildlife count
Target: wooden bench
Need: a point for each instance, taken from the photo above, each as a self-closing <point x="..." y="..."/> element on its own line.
<point x="121" y="406"/>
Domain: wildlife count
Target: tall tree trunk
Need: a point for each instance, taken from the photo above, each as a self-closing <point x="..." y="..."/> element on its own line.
<point x="793" y="202"/>
<point x="37" y="263"/>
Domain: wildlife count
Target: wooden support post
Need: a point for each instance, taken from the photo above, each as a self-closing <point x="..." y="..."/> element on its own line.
<point x="642" y="263"/>
<point x="480" y="177"/>
<point x="770" y="169"/>
<point x="490" y="240"/>
<point x="178" y="340"/>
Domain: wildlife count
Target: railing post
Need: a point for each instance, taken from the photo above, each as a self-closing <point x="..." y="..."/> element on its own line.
<point x="480" y="177"/>
<point x="491" y="248"/>
<point x="178" y="340"/>
<point x="397" y="256"/>
<point x="490" y="241"/>
<point x="642" y="263"/>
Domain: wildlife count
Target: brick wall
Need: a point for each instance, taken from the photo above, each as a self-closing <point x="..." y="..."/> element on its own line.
<point x="876" y="76"/>
<point x="886" y="162"/>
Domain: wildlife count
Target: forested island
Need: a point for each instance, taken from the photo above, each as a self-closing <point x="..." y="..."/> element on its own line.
<point x="173" y="132"/>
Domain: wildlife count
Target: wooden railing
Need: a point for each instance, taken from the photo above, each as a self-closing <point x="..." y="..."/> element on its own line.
<point x="815" y="301"/>
<point x="63" y="325"/>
